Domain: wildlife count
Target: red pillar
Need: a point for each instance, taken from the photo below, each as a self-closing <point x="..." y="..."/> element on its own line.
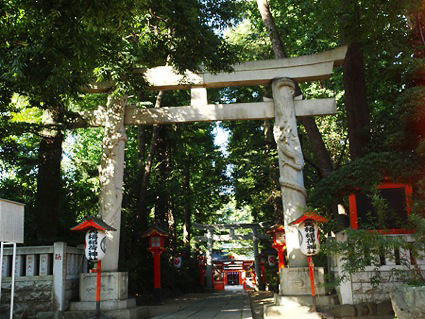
<point x="157" y="269"/>
<point x="313" y="291"/>
<point x="281" y="253"/>
<point x="201" y="275"/>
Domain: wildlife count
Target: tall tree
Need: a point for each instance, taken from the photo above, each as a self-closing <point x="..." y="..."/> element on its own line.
<point x="356" y="103"/>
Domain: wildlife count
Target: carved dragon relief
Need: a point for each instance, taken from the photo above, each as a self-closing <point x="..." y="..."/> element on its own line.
<point x="291" y="159"/>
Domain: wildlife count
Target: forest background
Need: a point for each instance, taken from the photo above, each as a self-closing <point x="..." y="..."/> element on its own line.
<point x="177" y="174"/>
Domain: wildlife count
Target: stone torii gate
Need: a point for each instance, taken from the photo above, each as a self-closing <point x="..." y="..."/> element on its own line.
<point x="282" y="74"/>
<point x="210" y="237"/>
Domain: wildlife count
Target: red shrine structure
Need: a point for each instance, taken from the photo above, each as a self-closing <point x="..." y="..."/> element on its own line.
<point x="232" y="272"/>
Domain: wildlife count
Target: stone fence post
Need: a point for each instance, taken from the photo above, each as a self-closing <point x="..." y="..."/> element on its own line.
<point x="59" y="276"/>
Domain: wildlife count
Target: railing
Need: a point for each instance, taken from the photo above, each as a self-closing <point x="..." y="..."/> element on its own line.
<point x="58" y="263"/>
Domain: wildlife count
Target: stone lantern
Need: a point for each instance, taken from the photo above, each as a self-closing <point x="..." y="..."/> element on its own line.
<point x="157" y="238"/>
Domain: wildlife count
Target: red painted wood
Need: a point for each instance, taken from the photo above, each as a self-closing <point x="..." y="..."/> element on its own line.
<point x="311" y="266"/>
<point x="98" y="280"/>
<point x="385" y="185"/>
<point x="157" y="269"/>
<point x="281" y="258"/>
<point x="353" y="211"/>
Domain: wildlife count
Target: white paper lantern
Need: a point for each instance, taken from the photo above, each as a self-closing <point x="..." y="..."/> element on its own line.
<point x="95" y="245"/>
<point x="309" y="237"/>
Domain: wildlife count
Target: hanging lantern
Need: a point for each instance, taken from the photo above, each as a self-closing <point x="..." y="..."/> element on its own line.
<point x="95" y="245"/>
<point x="309" y="237"/>
<point x="271" y="259"/>
<point x="279" y="242"/>
<point x="309" y="232"/>
<point x="178" y="261"/>
<point x="95" y="240"/>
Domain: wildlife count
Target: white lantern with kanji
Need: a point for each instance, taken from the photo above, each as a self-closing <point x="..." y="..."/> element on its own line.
<point x="309" y="237"/>
<point x="95" y="245"/>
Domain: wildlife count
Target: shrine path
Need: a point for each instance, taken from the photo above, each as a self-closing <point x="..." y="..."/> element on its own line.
<point x="220" y="305"/>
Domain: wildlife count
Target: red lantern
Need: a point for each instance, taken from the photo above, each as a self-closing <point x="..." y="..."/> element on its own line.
<point x="201" y="265"/>
<point x="279" y="242"/>
<point x="156" y="246"/>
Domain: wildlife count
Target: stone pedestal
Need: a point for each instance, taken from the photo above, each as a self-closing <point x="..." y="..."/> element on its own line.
<point x="296" y="281"/>
<point x="114" y="286"/>
<point x="113" y="296"/>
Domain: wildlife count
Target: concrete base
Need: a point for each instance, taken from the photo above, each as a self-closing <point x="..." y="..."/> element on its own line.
<point x="296" y="281"/>
<point x="114" y="286"/>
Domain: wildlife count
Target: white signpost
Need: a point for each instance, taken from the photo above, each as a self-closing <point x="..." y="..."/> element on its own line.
<point x="11" y="233"/>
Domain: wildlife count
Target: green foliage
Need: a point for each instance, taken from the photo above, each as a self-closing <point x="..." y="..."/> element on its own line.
<point x="364" y="249"/>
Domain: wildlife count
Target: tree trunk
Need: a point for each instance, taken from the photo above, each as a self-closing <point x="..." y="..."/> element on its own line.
<point x="161" y="197"/>
<point x="273" y="32"/>
<point x="49" y="186"/>
<point x="355" y="100"/>
<point x="354" y="79"/>
<point x="187" y="225"/>
<point x="141" y="216"/>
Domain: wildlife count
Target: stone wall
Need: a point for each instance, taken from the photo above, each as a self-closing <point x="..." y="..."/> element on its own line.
<point x="30" y="298"/>
<point x="46" y="279"/>
<point x="358" y="287"/>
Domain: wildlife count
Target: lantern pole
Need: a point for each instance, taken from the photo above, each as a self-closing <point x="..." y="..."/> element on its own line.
<point x="281" y="256"/>
<point x="98" y="286"/>
<point x="313" y="292"/>
<point x="157" y="276"/>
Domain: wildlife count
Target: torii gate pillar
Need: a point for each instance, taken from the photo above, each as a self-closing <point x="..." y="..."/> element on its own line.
<point x="291" y="164"/>
<point x="111" y="174"/>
